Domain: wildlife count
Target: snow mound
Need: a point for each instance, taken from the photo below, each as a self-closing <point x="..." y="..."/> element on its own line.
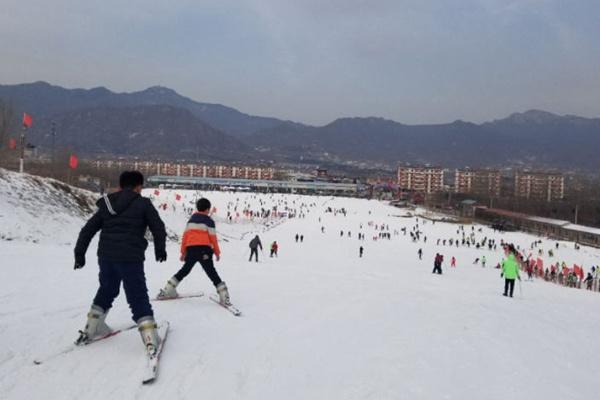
<point x="39" y="209"/>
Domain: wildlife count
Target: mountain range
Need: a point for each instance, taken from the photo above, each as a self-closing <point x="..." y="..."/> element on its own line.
<point x="158" y="122"/>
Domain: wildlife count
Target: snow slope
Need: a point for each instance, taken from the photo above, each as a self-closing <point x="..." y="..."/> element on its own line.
<point x="319" y="322"/>
<point x="41" y="210"/>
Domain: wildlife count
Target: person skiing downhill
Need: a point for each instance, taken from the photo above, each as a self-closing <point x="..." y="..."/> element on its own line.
<point x="274" y="248"/>
<point x="510" y="270"/>
<point x="420" y="252"/>
<point x="122" y="218"/>
<point x="453" y="262"/>
<point x="198" y="245"/>
<point x="254" y="245"/>
<point x="360" y="251"/>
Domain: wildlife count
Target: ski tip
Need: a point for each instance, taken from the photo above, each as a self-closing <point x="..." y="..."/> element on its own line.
<point x="163" y="324"/>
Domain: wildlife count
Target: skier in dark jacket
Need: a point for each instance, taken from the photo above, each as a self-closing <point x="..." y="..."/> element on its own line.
<point x="437" y="264"/>
<point x="122" y="218"/>
<point x="254" y="245"/>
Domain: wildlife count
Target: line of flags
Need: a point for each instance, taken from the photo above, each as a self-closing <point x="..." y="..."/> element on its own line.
<point x="27" y="123"/>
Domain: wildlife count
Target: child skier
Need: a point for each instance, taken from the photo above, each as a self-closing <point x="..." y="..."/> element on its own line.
<point x="274" y="248"/>
<point x="198" y="244"/>
<point x="123" y="218"/>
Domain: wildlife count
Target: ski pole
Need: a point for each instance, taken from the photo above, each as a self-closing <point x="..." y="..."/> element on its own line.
<point x="520" y="289"/>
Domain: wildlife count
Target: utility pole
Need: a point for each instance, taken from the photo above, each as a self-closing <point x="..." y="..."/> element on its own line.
<point x="576" y="212"/>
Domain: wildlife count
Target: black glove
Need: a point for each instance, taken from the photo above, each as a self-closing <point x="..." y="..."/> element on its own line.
<point x="79" y="261"/>
<point x="161" y="255"/>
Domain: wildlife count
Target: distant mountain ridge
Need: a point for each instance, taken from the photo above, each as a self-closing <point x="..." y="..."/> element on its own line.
<point x="533" y="138"/>
<point x="44" y="100"/>
<point x="159" y="131"/>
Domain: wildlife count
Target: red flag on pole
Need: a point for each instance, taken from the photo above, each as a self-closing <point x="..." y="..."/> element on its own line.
<point x="12" y="144"/>
<point x="73" y="161"/>
<point x="27" y="120"/>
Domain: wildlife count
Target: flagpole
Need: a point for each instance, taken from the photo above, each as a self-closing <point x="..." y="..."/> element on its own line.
<point x="21" y="160"/>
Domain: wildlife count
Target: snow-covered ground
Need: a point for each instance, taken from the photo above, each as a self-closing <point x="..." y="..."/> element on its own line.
<point x="319" y="322"/>
<point x="40" y="210"/>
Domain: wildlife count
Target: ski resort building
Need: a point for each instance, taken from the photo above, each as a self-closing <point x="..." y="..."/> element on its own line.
<point x="552" y="228"/>
<point x="482" y="182"/>
<point x="421" y="179"/>
<point x="259" y="185"/>
<point x="190" y="170"/>
<point x="539" y="186"/>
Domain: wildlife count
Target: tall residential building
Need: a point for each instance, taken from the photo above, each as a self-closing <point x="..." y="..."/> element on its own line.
<point x="421" y="179"/>
<point x="484" y="182"/>
<point x="539" y="185"/>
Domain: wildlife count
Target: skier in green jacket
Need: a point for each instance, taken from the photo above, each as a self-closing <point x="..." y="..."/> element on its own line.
<point x="510" y="270"/>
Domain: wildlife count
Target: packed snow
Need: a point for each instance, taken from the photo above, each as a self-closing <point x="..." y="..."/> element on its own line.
<point x="319" y="322"/>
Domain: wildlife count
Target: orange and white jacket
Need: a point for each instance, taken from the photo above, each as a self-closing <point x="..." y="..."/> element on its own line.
<point x="200" y="231"/>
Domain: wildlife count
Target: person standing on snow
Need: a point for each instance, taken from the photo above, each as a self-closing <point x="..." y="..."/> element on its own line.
<point x="453" y="262"/>
<point x="437" y="264"/>
<point x="198" y="245"/>
<point x="510" y="270"/>
<point x="274" y="248"/>
<point x="122" y="218"/>
<point x="254" y="245"/>
<point x="420" y="252"/>
<point x="360" y="251"/>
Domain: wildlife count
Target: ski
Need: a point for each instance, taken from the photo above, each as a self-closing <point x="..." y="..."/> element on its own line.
<point x="74" y="346"/>
<point x="230" y="307"/>
<point x="151" y="370"/>
<point x="181" y="296"/>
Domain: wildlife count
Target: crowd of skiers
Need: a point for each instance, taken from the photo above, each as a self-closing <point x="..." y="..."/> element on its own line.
<point x="124" y="216"/>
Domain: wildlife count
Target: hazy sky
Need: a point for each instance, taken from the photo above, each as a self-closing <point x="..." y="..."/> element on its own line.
<point x="316" y="60"/>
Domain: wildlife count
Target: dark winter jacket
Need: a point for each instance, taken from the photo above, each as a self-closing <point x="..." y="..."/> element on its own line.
<point x="255" y="243"/>
<point x="123" y="218"/>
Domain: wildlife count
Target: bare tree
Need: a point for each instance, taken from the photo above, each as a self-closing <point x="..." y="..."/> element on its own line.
<point x="6" y="122"/>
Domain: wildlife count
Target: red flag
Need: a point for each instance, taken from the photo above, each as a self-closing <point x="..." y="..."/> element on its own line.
<point x="578" y="271"/>
<point x="73" y="161"/>
<point x="177" y="197"/>
<point x="156" y="192"/>
<point x="27" y="120"/>
<point x="12" y="144"/>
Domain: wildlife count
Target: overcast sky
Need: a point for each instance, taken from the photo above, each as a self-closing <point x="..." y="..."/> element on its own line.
<point x="316" y="60"/>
